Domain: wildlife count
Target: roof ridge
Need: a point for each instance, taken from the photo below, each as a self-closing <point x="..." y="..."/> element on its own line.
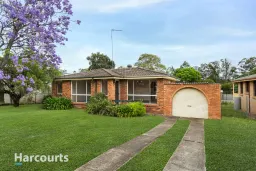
<point x="152" y="70"/>
<point x="109" y="71"/>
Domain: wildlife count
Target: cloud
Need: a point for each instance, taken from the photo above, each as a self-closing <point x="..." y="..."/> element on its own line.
<point x="236" y="32"/>
<point x="112" y="5"/>
<point x="174" y="55"/>
<point x="74" y="56"/>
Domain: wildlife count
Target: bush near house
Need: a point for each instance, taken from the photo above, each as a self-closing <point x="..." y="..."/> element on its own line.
<point x="100" y="105"/>
<point x="57" y="103"/>
<point x="46" y="97"/>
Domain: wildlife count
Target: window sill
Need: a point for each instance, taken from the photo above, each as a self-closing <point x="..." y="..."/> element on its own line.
<point x="78" y="102"/>
<point x="150" y="104"/>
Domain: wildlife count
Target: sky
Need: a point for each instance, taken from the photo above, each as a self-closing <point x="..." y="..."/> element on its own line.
<point x="198" y="31"/>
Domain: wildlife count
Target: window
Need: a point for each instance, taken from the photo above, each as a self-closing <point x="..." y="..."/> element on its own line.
<point x="235" y="88"/>
<point x="59" y="88"/>
<point x="241" y="88"/>
<point x="104" y="84"/>
<point x="144" y="90"/>
<point x="81" y="91"/>
<point x="254" y="85"/>
<point x="247" y="86"/>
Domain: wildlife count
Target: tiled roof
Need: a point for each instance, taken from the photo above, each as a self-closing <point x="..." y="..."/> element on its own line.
<point x="123" y="72"/>
<point x="250" y="77"/>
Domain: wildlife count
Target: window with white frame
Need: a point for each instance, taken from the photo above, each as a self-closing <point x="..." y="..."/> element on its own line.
<point x="81" y="91"/>
<point x="59" y="88"/>
<point x="104" y="86"/>
<point x="142" y="90"/>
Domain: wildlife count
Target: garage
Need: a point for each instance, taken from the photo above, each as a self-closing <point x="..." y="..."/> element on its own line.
<point x="191" y="103"/>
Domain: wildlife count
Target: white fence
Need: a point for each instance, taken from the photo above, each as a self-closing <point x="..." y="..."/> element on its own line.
<point x="32" y="98"/>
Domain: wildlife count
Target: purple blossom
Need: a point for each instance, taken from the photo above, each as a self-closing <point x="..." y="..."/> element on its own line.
<point x="25" y="68"/>
<point x="1" y="75"/>
<point x="19" y="69"/>
<point x="24" y="60"/>
<point x="29" y="89"/>
<point x="21" y="78"/>
<point x="7" y="77"/>
<point x="15" y="60"/>
<point x="32" y="81"/>
<point x="39" y="25"/>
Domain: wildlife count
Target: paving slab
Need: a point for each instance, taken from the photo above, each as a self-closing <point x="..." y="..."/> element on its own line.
<point x="116" y="157"/>
<point x="190" y="154"/>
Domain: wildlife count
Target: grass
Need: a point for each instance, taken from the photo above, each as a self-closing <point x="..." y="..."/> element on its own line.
<point x="231" y="142"/>
<point x="33" y="131"/>
<point x="155" y="157"/>
<point x="228" y="111"/>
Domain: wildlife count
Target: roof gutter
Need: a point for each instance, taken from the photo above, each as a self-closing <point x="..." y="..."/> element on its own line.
<point x="117" y="78"/>
<point x="236" y="81"/>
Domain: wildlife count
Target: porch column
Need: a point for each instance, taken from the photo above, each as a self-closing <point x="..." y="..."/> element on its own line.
<point x="54" y="88"/>
<point x="111" y="90"/>
<point x="66" y="89"/>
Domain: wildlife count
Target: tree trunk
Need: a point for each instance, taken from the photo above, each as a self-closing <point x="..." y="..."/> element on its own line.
<point x="16" y="99"/>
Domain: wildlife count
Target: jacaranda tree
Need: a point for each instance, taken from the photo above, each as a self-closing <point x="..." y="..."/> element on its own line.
<point x="29" y="33"/>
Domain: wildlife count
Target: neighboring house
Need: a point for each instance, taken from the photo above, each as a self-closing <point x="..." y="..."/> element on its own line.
<point x="158" y="91"/>
<point x="244" y="90"/>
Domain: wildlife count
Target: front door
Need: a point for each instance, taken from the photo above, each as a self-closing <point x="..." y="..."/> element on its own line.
<point x="117" y="92"/>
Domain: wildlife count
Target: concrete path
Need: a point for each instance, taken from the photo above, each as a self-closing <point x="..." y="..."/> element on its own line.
<point x="190" y="154"/>
<point x="116" y="157"/>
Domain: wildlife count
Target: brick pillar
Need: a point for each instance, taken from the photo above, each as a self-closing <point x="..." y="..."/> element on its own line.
<point x="111" y="90"/>
<point x="123" y="90"/>
<point x="98" y="86"/>
<point x="66" y="89"/>
<point x="93" y="83"/>
<point x="54" y="88"/>
<point x="160" y="92"/>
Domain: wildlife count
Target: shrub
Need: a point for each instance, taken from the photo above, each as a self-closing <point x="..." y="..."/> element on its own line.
<point x="57" y="103"/>
<point x="99" y="105"/>
<point x="124" y="110"/>
<point x="138" y="108"/>
<point x="131" y="109"/>
<point x="46" y="97"/>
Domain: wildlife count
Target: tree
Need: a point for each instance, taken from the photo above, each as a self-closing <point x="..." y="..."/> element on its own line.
<point x="188" y="74"/>
<point x="150" y="61"/>
<point x="204" y="71"/>
<point x="83" y="69"/>
<point x="170" y="70"/>
<point x="247" y="66"/>
<point x="185" y="65"/>
<point x="227" y="87"/>
<point x="29" y="33"/>
<point x="228" y="71"/>
<point x="214" y="71"/>
<point x="99" y="60"/>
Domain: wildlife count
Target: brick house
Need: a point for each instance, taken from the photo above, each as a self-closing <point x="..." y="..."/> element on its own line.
<point x="160" y="92"/>
<point x="245" y="90"/>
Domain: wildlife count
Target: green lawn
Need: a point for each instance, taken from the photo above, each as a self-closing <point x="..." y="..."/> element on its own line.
<point x="155" y="157"/>
<point x="231" y="142"/>
<point x="31" y="130"/>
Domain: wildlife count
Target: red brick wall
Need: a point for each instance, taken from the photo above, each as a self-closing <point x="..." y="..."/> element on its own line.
<point x="66" y="89"/>
<point x="211" y="92"/>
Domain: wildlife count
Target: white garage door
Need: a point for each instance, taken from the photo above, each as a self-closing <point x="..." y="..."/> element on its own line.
<point x="190" y="103"/>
